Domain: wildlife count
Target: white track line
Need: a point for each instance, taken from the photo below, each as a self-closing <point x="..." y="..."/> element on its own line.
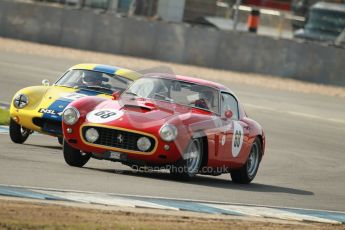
<point x="28" y="67"/>
<point x="294" y="113"/>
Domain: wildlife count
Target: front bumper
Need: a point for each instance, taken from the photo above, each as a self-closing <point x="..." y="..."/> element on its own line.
<point x="34" y="121"/>
<point x="161" y="152"/>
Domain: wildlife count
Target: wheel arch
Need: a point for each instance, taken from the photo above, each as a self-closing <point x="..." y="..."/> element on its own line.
<point x="262" y="145"/>
<point x="204" y="140"/>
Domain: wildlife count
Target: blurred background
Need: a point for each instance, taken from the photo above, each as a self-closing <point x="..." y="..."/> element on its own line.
<point x="276" y="17"/>
<point x="274" y="37"/>
<point x="284" y="59"/>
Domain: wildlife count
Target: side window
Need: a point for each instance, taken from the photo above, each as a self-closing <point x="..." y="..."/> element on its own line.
<point x="115" y="82"/>
<point x="229" y="103"/>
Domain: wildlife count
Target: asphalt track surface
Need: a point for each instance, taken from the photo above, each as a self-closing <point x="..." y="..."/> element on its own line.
<point x="303" y="165"/>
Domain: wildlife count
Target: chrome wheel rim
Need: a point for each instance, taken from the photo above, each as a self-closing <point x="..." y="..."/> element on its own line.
<point x="253" y="160"/>
<point x="192" y="157"/>
<point x="25" y="132"/>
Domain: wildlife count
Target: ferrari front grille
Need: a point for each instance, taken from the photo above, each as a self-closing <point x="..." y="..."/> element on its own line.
<point x="116" y="138"/>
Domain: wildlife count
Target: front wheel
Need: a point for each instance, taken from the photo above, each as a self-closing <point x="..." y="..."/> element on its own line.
<point x="18" y="134"/>
<point x="60" y="140"/>
<point x="74" y="157"/>
<point x="248" y="171"/>
<point x="190" y="163"/>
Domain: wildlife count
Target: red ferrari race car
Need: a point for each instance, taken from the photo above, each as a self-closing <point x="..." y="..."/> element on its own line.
<point x="183" y="124"/>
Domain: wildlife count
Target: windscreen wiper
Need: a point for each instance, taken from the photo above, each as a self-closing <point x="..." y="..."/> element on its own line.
<point x="133" y="94"/>
<point x="98" y="87"/>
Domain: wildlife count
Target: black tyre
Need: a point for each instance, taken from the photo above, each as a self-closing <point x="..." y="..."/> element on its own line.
<point x="18" y="134"/>
<point x="74" y="157"/>
<point x="190" y="163"/>
<point x="248" y="171"/>
<point x="60" y="140"/>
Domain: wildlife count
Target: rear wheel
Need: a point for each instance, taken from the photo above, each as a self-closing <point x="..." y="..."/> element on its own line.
<point x="191" y="160"/>
<point x="248" y="171"/>
<point x="74" y="157"/>
<point x="18" y="134"/>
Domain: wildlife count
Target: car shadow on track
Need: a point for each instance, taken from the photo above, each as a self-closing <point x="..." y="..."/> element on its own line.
<point x="208" y="181"/>
<point x="45" y="146"/>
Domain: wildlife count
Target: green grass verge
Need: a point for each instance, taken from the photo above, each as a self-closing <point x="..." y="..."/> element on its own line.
<point x="4" y="117"/>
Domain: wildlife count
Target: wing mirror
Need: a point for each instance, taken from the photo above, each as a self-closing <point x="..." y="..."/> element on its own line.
<point x="116" y="95"/>
<point x="228" y="114"/>
<point x="45" y="82"/>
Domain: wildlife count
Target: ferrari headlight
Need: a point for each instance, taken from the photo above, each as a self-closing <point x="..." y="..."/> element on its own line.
<point x="70" y="116"/>
<point x="143" y="144"/>
<point x="168" y="132"/>
<point x="20" y="101"/>
<point x="91" y="135"/>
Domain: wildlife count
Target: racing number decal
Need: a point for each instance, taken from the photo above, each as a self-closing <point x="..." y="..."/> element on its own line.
<point x="237" y="139"/>
<point x="103" y="115"/>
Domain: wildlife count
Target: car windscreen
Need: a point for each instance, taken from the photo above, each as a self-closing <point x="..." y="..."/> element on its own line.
<point x="326" y="20"/>
<point x="93" y="80"/>
<point x="176" y="91"/>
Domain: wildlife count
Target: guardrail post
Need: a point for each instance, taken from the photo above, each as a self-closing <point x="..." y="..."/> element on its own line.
<point x="281" y="24"/>
<point x="237" y="9"/>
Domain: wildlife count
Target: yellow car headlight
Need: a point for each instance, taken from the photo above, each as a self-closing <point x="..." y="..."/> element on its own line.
<point x="20" y="101"/>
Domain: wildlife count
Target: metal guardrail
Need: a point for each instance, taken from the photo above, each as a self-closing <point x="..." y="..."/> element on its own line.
<point x="130" y="7"/>
<point x="96" y="4"/>
<point x="283" y="14"/>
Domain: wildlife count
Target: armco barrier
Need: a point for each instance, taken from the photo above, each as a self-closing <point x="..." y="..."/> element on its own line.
<point x="172" y="42"/>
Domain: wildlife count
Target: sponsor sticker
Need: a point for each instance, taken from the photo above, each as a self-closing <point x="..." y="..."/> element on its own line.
<point x="115" y="155"/>
<point x="73" y="96"/>
<point x="223" y="140"/>
<point x="112" y="155"/>
<point x="49" y="111"/>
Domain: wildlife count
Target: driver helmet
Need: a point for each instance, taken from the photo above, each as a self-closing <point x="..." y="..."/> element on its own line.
<point x="205" y="100"/>
<point x="208" y="96"/>
<point x="91" y="78"/>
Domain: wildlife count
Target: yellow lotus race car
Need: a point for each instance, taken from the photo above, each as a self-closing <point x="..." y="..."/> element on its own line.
<point x="39" y="108"/>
